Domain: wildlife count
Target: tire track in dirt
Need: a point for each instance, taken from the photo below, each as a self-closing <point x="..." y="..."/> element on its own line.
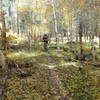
<point x="55" y="82"/>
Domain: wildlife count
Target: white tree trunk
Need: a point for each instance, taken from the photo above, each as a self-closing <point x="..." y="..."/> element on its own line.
<point x="56" y="24"/>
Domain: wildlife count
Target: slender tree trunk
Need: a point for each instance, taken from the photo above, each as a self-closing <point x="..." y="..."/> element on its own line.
<point x="9" y="11"/>
<point x="62" y="37"/>
<point x="30" y="41"/>
<point x="76" y="38"/>
<point x="81" y="47"/>
<point x="56" y="24"/>
<point x="93" y="48"/>
<point x="99" y="41"/>
<point x="80" y="40"/>
<point x="4" y="38"/>
<point x="18" y="22"/>
<point x="4" y="42"/>
<point x="3" y="30"/>
<point x="70" y="36"/>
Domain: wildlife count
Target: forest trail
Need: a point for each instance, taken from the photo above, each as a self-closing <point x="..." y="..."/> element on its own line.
<point x="54" y="81"/>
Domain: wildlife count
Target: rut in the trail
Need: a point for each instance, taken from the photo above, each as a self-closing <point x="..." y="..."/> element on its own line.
<point x="55" y="81"/>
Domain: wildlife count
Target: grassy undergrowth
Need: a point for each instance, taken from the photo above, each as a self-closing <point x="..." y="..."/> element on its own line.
<point x="80" y="84"/>
<point x="24" y="57"/>
<point x="34" y="87"/>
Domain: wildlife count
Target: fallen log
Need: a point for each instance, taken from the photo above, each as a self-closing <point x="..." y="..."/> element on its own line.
<point x="22" y="73"/>
<point x="93" y="64"/>
<point x="19" y="69"/>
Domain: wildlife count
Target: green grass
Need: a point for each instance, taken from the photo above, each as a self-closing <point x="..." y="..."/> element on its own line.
<point x="81" y="85"/>
<point x="35" y="87"/>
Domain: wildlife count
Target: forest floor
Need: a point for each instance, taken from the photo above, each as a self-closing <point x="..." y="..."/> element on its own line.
<point x="54" y="81"/>
<point x="51" y="77"/>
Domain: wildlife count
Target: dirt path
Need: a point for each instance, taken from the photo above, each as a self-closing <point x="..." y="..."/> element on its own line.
<point x="55" y="82"/>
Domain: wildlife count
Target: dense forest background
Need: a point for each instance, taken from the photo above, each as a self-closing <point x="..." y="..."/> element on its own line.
<point x="28" y="72"/>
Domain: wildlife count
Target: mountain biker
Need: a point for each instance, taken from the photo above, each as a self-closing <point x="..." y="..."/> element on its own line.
<point x="45" y="40"/>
